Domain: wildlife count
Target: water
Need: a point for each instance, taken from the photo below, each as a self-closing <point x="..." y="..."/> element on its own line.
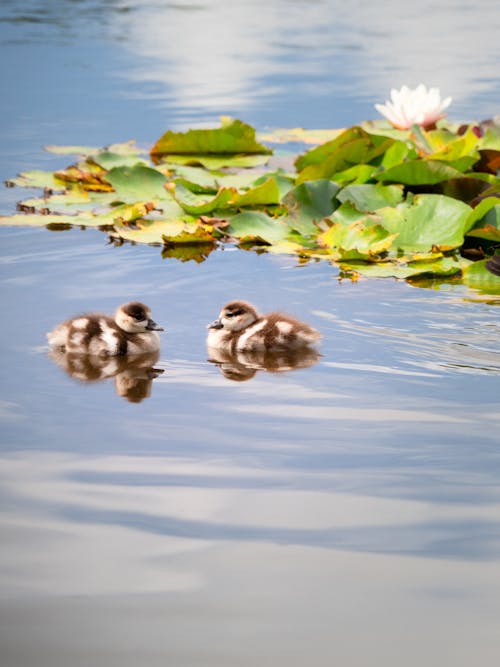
<point x="344" y="512"/>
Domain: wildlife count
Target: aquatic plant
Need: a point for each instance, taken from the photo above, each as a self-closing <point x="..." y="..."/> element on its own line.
<point x="375" y="200"/>
<point x="417" y="106"/>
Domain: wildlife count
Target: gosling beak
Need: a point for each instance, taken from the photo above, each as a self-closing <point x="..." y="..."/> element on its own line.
<point x="152" y="326"/>
<point x="216" y="324"/>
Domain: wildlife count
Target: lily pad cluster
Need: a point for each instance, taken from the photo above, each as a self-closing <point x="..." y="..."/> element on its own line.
<point x="375" y="200"/>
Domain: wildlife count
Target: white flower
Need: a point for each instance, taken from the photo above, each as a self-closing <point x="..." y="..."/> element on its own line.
<point x="414" y="107"/>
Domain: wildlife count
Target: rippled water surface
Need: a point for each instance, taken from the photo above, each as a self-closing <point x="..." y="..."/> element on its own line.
<point x="342" y="508"/>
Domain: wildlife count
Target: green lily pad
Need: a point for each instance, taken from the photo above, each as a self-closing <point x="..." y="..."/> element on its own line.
<point x="345" y="156"/>
<point x="36" y="179"/>
<point x="488" y="227"/>
<point x="257" y="226"/>
<point x="231" y="138"/>
<point x="309" y="203"/>
<point x="213" y="163"/>
<point x="357" y="239"/>
<point x="478" y="277"/>
<point x="369" y="197"/>
<point x="445" y="266"/>
<point x="346" y="214"/>
<point x="480" y="212"/>
<point x="108" y="160"/>
<point x="431" y="221"/>
<point x="35" y="220"/>
<point x="137" y="183"/>
<point x="419" y="172"/>
<point x="201" y="204"/>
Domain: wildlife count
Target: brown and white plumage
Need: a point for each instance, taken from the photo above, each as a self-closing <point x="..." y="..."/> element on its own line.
<point x="132" y="331"/>
<point x="239" y="328"/>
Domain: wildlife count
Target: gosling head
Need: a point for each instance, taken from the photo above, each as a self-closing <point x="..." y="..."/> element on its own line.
<point x="235" y="316"/>
<point x="135" y="317"/>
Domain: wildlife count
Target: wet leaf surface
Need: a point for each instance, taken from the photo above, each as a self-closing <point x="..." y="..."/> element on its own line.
<point x="378" y="201"/>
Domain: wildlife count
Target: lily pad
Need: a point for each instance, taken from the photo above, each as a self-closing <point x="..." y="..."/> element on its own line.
<point x="137" y="183"/>
<point x="309" y="203"/>
<point x="257" y="226"/>
<point x="478" y="277"/>
<point x="231" y="138"/>
<point x="419" y="172"/>
<point x="431" y="221"/>
<point x="357" y="239"/>
<point x="215" y="162"/>
<point x="446" y="266"/>
<point x="369" y="197"/>
<point x="36" y="179"/>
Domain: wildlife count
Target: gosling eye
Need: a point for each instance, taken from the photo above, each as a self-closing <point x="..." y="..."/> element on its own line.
<point x="234" y="313"/>
<point x="139" y="317"/>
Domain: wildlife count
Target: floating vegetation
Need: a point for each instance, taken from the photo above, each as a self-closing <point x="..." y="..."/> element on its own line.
<point x="374" y="199"/>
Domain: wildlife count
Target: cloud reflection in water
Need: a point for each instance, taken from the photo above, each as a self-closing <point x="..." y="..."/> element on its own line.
<point x="222" y="57"/>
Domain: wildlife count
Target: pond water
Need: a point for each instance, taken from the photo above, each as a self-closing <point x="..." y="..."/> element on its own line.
<point x="219" y="513"/>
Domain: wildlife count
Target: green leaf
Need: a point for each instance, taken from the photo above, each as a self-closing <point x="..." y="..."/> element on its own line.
<point x="360" y="173"/>
<point x="200" y="204"/>
<point x="363" y="240"/>
<point x="36" y="179"/>
<point x="150" y="231"/>
<point x="108" y="160"/>
<point x="479" y="212"/>
<point x="213" y="163"/>
<point x="346" y="156"/>
<point x="137" y="183"/>
<point x="419" y="172"/>
<point x="35" y="220"/>
<point x="265" y="193"/>
<point x="488" y="227"/>
<point x="444" y="266"/>
<point x="346" y="214"/>
<point x="255" y="225"/>
<point x="309" y="203"/>
<point x="369" y="197"/>
<point x="231" y="138"/>
<point x="478" y="277"/>
<point x="395" y="154"/>
<point x="317" y="156"/>
<point x="430" y="221"/>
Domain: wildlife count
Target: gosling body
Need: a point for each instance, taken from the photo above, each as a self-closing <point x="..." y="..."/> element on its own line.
<point x="239" y="328"/>
<point x="132" y="331"/>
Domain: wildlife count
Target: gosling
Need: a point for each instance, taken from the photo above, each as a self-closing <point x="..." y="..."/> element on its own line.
<point x="239" y="328"/>
<point x="132" y="331"/>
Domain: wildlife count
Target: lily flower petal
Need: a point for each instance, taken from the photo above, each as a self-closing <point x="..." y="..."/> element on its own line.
<point x="419" y="106"/>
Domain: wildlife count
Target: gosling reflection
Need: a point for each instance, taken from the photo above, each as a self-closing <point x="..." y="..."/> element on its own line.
<point x="242" y="366"/>
<point x="133" y="375"/>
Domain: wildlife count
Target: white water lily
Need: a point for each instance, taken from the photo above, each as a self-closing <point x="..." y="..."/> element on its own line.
<point x="418" y="106"/>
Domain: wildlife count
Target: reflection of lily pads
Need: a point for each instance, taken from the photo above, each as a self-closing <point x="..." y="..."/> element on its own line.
<point x="188" y="252"/>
